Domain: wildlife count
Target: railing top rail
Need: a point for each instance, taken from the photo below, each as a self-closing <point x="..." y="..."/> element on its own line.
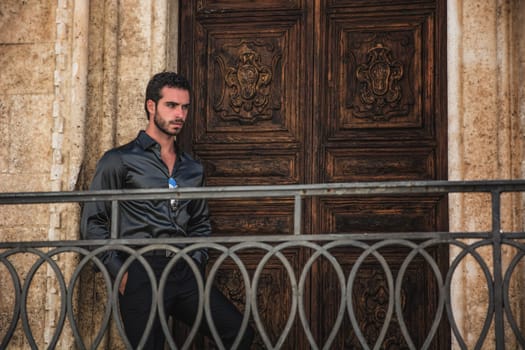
<point x="258" y="191"/>
<point x="441" y="236"/>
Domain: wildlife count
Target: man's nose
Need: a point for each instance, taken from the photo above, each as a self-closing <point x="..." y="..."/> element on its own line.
<point x="179" y="112"/>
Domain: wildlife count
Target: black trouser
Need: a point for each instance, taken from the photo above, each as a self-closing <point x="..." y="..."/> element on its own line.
<point x="181" y="299"/>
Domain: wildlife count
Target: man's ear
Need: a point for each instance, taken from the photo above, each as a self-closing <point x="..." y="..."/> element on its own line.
<point x="150" y="104"/>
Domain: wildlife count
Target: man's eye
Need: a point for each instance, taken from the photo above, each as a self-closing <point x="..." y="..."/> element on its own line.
<point x="185" y="107"/>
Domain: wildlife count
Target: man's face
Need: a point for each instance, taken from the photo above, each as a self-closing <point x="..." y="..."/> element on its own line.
<point x="171" y="111"/>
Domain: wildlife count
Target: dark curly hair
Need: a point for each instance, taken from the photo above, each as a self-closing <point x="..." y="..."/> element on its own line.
<point x="159" y="81"/>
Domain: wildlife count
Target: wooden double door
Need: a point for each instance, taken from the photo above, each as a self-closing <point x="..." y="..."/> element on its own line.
<point x="322" y="91"/>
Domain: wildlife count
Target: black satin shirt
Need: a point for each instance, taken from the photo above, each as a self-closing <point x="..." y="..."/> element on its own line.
<point x="138" y="165"/>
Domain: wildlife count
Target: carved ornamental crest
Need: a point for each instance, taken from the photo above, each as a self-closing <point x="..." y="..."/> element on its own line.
<point x="379" y="89"/>
<point x="246" y="93"/>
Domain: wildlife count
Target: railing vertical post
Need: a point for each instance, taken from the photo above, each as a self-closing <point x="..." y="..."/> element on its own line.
<point x="497" y="265"/>
<point x="297" y="214"/>
<point x="114" y="219"/>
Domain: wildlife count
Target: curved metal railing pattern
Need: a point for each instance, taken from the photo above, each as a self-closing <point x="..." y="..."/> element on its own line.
<point x="468" y="244"/>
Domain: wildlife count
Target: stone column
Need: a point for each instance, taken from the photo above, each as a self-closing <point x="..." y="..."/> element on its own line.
<point x="129" y="41"/>
<point x="68" y="115"/>
<point x="485" y="39"/>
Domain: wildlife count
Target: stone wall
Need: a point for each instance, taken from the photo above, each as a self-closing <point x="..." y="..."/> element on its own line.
<point x="34" y="62"/>
<point x="73" y="77"/>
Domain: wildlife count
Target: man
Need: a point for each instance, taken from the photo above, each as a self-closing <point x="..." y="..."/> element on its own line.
<point x="153" y="160"/>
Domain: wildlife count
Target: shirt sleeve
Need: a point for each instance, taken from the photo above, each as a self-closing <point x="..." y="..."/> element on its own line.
<point x="96" y="216"/>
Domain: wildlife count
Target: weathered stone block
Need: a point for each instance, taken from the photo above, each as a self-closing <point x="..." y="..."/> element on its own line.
<point x="24" y="233"/>
<point x="27" y="21"/>
<point x="27" y="68"/>
<point x="30" y="129"/>
<point x="24" y="215"/>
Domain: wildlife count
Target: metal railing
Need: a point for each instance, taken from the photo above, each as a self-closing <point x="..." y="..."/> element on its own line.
<point x="497" y="276"/>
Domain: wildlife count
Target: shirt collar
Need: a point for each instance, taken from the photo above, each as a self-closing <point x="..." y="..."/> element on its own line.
<point x="146" y="141"/>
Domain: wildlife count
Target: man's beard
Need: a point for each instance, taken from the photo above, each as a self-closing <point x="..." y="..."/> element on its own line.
<point x="163" y="126"/>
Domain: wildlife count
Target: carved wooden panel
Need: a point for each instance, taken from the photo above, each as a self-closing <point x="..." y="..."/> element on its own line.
<point x="382" y="84"/>
<point x="251" y="167"/>
<point x="380" y="214"/>
<point x="256" y="217"/>
<point x="248" y="95"/>
<point x="402" y="164"/>
<point x="210" y="6"/>
<point x="345" y="4"/>
<point x="370" y="298"/>
<point x="273" y="281"/>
